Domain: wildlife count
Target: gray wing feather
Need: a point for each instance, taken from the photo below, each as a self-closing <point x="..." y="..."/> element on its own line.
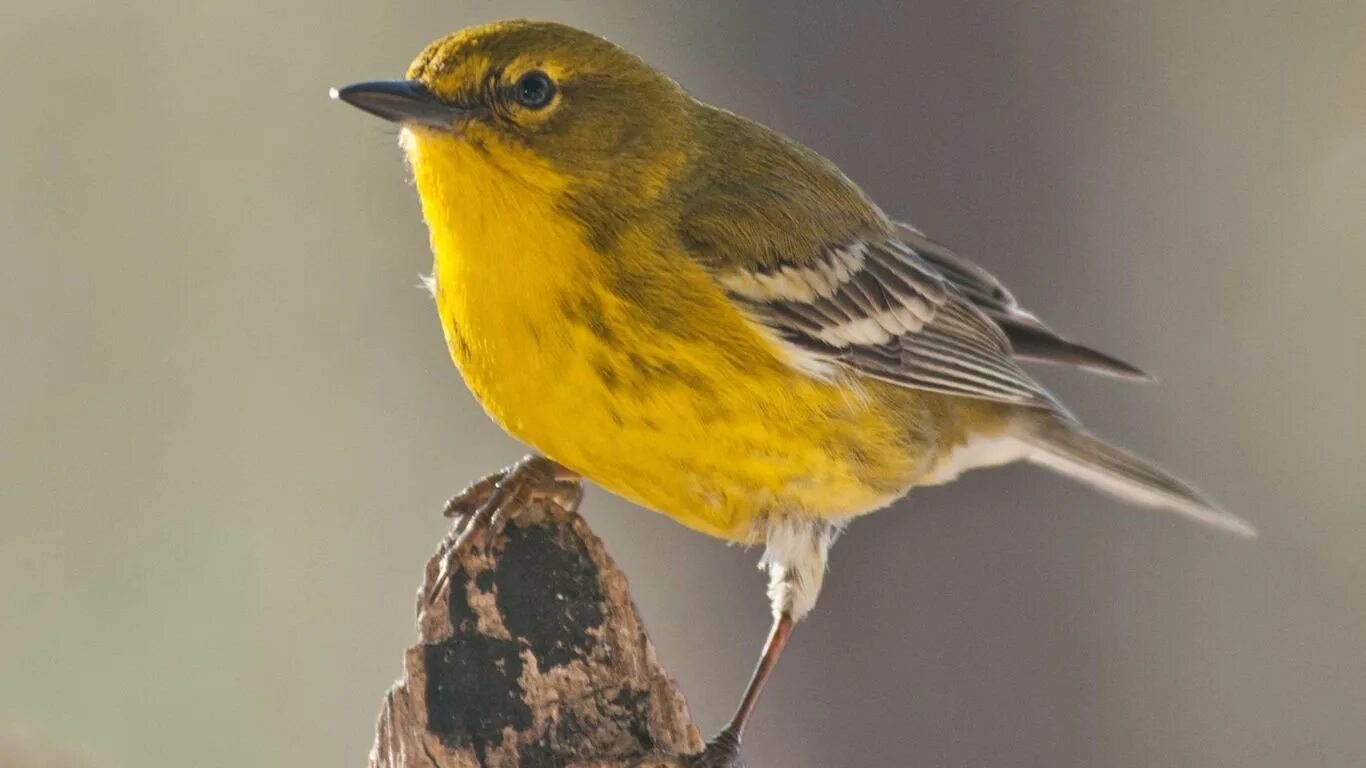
<point x="881" y="309"/>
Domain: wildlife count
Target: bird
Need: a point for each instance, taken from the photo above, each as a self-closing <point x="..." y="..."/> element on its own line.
<point x="710" y="319"/>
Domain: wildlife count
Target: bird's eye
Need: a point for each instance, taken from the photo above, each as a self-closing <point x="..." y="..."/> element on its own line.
<point x="534" y="90"/>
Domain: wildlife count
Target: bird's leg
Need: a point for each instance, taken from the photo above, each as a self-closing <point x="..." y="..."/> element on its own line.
<point x="723" y="751"/>
<point x="795" y="557"/>
<point x="773" y="648"/>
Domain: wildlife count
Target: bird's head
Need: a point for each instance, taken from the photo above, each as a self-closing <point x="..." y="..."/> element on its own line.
<point x="551" y="105"/>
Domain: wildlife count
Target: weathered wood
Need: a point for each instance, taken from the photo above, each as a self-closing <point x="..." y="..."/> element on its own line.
<point x="531" y="653"/>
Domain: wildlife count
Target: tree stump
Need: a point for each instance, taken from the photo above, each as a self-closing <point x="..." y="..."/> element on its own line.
<point x="530" y="653"/>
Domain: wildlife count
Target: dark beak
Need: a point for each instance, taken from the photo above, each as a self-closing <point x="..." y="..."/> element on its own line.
<point x="406" y="102"/>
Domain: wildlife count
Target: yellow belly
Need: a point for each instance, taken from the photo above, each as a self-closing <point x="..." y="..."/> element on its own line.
<point x="632" y="367"/>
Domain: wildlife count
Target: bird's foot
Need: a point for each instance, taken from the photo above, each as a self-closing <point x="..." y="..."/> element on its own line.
<point x="485" y="506"/>
<point x="723" y="751"/>
<point x="472" y="497"/>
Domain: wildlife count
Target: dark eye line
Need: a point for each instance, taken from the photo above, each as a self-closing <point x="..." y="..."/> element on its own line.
<point x="490" y="88"/>
<point x="463" y="103"/>
<point x="467" y="100"/>
<point x="494" y="96"/>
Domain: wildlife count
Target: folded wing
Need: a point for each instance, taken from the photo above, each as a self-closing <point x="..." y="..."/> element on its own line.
<point x="878" y="307"/>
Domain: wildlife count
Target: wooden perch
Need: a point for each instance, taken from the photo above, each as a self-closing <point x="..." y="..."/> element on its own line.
<point x="530" y="653"/>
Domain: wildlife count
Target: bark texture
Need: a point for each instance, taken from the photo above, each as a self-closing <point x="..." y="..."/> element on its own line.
<point x="531" y="653"/>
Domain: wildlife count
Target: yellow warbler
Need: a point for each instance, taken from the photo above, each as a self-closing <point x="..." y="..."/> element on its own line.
<point x="708" y="318"/>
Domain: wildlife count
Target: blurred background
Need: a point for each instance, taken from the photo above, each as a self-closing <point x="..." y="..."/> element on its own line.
<point x="228" y="422"/>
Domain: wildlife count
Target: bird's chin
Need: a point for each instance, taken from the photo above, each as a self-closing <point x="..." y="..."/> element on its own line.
<point x="415" y="140"/>
<point x="408" y="140"/>
<point x="413" y="135"/>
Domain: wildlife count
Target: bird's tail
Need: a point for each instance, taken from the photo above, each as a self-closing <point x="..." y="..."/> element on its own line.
<point x="1067" y="448"/>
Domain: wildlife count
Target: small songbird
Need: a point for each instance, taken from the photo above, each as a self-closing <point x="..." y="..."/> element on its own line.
<point x="710" y="319"/>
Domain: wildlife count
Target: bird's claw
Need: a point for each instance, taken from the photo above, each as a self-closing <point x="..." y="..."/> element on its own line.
<point x="483" y="508"/>
<point x="723" y="751"/>
<point x="473" y="496"/>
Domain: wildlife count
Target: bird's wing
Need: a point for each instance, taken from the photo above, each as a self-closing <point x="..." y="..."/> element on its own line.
<point x="880" y="308"/>
<point x="808" y="256"/>
<point x="1031" y="340"/>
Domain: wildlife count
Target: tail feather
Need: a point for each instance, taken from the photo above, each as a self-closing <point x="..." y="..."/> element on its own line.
<point x="1070" y="450"/>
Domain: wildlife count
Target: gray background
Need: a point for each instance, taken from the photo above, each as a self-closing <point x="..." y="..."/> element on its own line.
<point x="227" y="419"/>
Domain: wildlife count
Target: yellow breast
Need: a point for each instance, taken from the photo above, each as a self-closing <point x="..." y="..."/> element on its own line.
<point x="631" y="366"/>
